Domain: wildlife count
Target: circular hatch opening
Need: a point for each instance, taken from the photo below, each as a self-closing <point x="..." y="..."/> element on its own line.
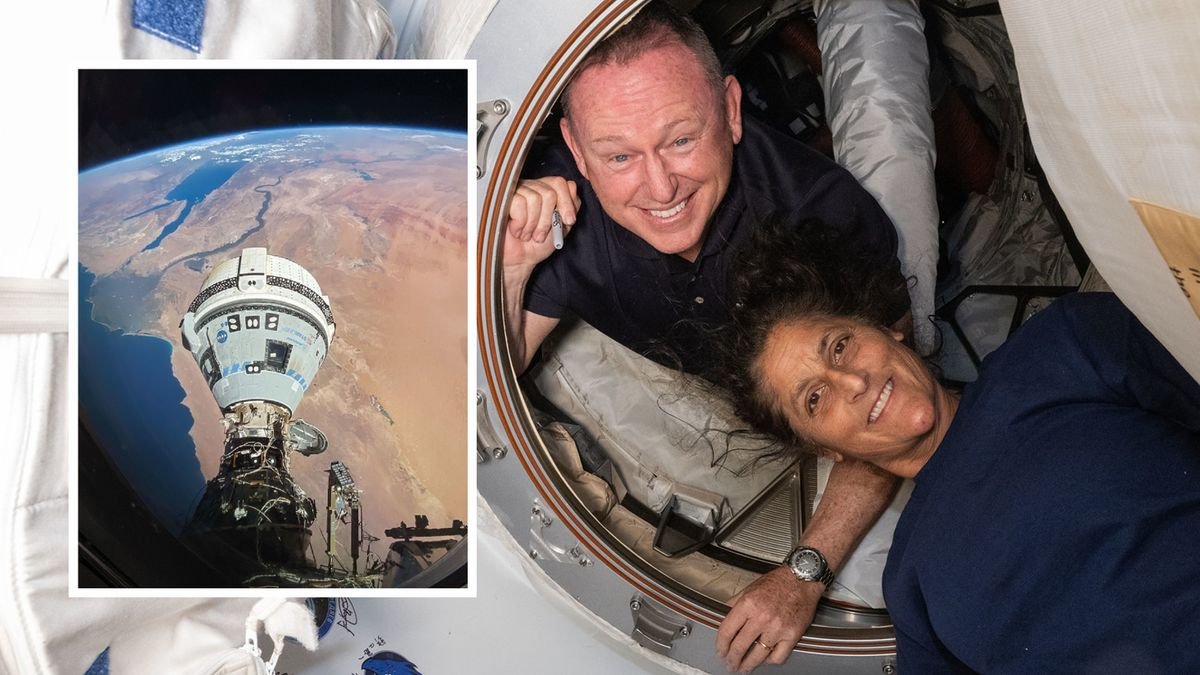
<point x="613" y="513"/>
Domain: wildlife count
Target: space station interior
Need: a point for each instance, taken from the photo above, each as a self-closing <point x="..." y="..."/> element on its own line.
<point x="922" y="102"/>
<point x="652" y="454"/>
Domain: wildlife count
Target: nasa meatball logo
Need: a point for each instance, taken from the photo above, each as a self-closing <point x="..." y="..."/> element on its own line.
<point x="222" y="336"/>
<point x="389" y="663"/>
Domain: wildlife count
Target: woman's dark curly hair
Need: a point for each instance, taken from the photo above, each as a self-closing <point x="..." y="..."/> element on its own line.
<point x="787" y="272"/>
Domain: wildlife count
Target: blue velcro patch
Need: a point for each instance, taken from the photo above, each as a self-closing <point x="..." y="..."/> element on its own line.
<point x="180" y="22"/>
<point x="100" y="665"/>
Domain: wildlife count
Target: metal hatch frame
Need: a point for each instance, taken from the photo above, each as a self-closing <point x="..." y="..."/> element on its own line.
<point x="515" y="476"/>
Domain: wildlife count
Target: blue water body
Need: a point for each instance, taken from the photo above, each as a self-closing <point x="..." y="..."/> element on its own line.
<point x="192" y="190"/>
<point x="152" y="208"/>
<point x="262" y="210"/>
<point x="133" y="405"/>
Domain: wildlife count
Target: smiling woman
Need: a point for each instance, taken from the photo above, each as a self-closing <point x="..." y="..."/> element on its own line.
<point x="852" y="389"/>
<point x="852" y="301"/>
<point x="1016" y="484"/>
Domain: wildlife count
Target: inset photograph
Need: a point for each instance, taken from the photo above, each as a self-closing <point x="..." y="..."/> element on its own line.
<point x="273" y="328"/>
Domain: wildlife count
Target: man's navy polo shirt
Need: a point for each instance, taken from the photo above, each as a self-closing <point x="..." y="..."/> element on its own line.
<point x="661" y="305"/>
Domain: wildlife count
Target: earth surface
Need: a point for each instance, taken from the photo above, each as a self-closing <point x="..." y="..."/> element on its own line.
<point x="378" y="215"/>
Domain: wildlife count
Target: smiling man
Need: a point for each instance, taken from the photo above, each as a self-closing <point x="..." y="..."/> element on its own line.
<point x="660" y="182"/>
<point x="666" y="179"/>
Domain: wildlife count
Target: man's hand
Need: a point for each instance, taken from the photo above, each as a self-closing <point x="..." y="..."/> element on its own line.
<point x="777" y="608"/>
<point x="767" y="619"/>
<point x="527" y="240"/>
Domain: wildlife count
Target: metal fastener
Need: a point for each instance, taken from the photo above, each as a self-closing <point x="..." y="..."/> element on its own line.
<point x="540" y="514"/>
<point x="499" y="452"/>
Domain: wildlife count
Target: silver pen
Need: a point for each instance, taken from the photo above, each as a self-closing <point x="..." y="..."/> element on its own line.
<point x="556" y="229"/>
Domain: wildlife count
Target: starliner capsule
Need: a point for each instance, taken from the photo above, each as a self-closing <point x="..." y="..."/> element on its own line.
<point x="259" y="329"/>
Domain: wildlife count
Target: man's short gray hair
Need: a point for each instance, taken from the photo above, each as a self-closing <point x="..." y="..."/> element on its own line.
<point x="653" y="26"/>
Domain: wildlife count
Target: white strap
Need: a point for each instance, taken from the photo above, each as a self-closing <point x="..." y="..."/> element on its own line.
<point x="33" y="305"/>
<point x="282" y="618"/>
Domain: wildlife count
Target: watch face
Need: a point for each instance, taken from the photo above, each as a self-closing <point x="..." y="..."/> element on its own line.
<point x="807" y="565"/>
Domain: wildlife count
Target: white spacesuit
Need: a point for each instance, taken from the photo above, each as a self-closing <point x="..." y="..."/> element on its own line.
<point x="242" y="29"/>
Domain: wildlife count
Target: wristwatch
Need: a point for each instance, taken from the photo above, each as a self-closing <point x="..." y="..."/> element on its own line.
<point x="808" y="564"/>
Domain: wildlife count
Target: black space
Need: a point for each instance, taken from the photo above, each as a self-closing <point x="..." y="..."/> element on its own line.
<point x="125" y="112"/>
